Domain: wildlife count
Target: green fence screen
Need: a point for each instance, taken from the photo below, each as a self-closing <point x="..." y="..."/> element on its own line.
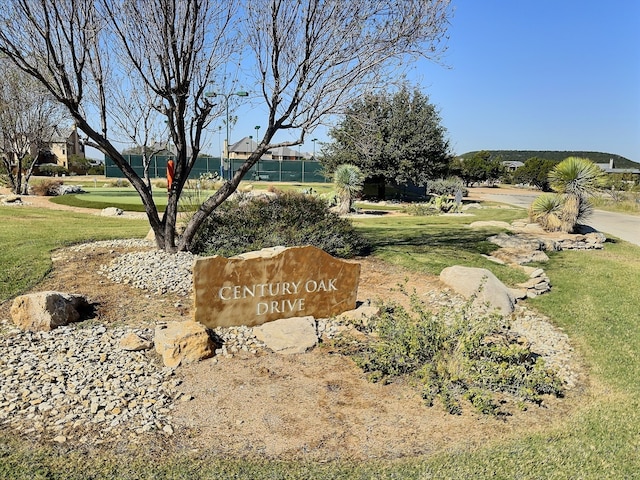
<point x="266" y="170"/>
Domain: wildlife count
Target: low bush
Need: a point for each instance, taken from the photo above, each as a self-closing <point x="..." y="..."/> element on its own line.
<point x="420" y="209"/>
<point x="439" y="204"/>
<point x="96" y="170"/>
<point x="289" y="219"/>
<point x="474" y="357"/>
<point x="52" y="170"/>
<point x="46" y="187"/>
<point x="446" y="186"/>
<point x="117" y="183"/>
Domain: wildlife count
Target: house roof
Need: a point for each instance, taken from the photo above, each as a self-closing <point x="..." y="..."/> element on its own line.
<point x="61" y="135"/>
<point x="245" y="145"/>
<point x="608" y="168"/>
<point x="248" y="145"/>
<point x="513" y="163"/>
<point x="284" y="152"/>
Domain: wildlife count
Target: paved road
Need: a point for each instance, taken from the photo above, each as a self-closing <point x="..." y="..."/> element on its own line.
<point x="625" y="227"/>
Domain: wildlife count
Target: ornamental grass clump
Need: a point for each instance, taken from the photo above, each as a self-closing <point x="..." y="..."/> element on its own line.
<point x="475" y="357"/>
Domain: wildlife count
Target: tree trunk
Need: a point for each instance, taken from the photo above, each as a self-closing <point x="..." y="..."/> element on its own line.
<point x="345" y="204"/>
<point x="28" y="175"/>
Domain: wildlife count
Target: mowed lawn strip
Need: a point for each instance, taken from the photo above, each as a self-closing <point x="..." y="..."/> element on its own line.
<point x="594" y="298"/>
<point x="29" y="235"/>
<point x="124" y="198"/>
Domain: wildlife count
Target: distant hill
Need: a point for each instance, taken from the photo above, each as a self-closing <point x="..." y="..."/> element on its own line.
<point x="522" y="155"/>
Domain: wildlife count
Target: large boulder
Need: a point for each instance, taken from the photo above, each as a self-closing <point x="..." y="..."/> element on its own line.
<point x="482" y="284"/>
<point x="272" y="283"/>
<point x="11" y="199"/>
<point x="183" y="342"/>
<point x="519" y="256"/>
<point x="45" y="311"/>
<point x="521" y="242"/>
<point x="289" y="335"/>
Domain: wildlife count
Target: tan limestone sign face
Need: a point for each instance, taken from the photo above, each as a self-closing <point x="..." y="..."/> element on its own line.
<point x="274" y="283"/>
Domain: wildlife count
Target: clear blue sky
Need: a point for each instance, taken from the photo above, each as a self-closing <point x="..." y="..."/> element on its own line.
<point x="531" y="75"/>
<point x="523" y="75"/>
<point x="541" y="75"/>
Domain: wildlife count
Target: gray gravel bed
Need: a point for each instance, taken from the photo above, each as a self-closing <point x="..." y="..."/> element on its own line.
<point x="159" y="272"/>
<point x="76" y="383"/>
<point x="153" y="270"/>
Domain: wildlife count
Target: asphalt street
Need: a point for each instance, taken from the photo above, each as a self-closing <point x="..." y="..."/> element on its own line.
<point x="625" y="227"/>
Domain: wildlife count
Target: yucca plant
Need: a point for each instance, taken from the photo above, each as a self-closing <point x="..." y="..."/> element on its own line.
<point x="576" y="179"/>
<point x="547" y="211"/>
<point x="576" y="176"/>
<point x="349" y="181"/>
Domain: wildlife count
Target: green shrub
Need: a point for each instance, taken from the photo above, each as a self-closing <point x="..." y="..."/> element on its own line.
<point x="546" y="209"/>
<point x="96" y="170"/>
<point x="439" y="204"/>
<point x="52" y="170"/>
<point x="474" y="357"/>
<point x="420" y="209"/>
<point x="446" y="186"/>
<point x="289" y="219"/>
<point x="349" y="182"/>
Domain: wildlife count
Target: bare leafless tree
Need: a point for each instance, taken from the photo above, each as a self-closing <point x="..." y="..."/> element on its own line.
<point x="136" y="120"/>
<point x="310" y="59"/>
<point x="28" y="118"/>
<point x="80" y="51"/>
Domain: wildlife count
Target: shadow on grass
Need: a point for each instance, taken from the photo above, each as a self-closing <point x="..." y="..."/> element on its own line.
<point x="421" y="240"/>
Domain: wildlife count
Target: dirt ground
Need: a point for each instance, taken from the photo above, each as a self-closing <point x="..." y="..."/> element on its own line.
<point x="313" y="406"/>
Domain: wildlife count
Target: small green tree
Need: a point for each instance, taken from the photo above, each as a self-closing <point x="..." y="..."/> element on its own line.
<point x="394" y="138"/>
<point x="481" y="167"/>
<point x="349" y="181"/>
<point x="535" y="172"/>
<point x="79" y="164"/>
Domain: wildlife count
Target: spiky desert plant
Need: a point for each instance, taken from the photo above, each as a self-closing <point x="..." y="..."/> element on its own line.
<point x="349" y="181"/>
<point x="546" y="210"/>
<point x="577" y="179"/>
<point x="576" y="176"/>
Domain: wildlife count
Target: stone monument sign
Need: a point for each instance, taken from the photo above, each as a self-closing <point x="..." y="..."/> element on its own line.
<point x="273" y="283"/>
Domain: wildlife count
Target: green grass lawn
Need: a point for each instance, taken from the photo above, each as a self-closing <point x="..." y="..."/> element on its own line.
<point x="29" y="235"/>
<point x="595" y="299"/>
<point x="431" y="243"/>
<point x="126" y="198"/>
<point x="630" y="205"/>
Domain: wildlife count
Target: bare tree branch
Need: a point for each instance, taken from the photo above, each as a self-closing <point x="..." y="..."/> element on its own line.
<point x="309" y="58"/>
<point x="28" y="117"/>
